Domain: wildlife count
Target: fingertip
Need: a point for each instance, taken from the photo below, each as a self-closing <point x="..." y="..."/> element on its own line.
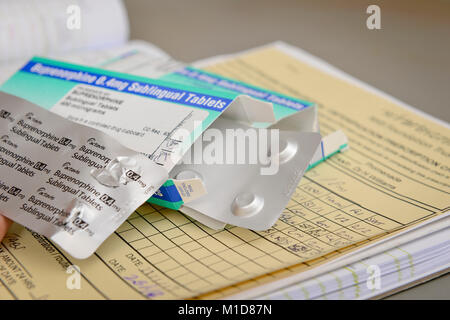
<point x="5" y="223"/>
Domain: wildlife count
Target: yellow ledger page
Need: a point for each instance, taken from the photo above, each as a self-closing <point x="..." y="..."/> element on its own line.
<point x="395" y="174"/>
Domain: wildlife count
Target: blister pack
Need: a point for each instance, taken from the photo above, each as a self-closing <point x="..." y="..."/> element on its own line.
<point x="249" y="194"/>
<point x="69" y="182"/>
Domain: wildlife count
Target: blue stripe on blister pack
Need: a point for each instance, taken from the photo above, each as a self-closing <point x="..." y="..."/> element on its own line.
<point x="145" y="89"/>
<point x="168" y="193"/>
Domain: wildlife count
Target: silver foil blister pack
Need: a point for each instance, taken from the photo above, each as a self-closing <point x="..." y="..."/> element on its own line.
<point x="69" y="182"/>
<point x="249" y="195"/>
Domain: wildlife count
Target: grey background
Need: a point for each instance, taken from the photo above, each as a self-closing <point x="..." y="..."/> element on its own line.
<point x="408" y="58"/>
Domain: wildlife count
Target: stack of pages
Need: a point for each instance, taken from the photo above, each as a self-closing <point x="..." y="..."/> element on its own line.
<point x="377" y="275"/>
<point x="360" y="224"/>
